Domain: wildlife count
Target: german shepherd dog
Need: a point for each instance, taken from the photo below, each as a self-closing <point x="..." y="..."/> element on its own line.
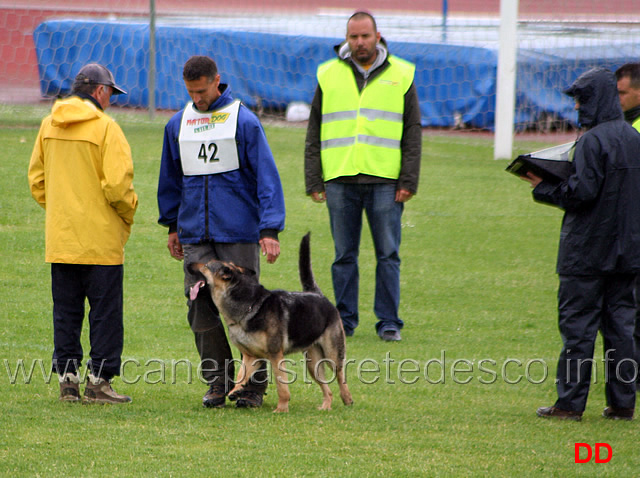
<point x="269" y="324"/>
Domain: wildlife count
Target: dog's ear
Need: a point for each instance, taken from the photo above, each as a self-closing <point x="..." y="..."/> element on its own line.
<point x="243" y="270"/>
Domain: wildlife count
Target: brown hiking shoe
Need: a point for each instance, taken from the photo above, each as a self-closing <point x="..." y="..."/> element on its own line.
<point x="247" y="398"/>
<point x="98" y="390"/>
<point x="215" y="396"/>
<point x="69" y="387"/>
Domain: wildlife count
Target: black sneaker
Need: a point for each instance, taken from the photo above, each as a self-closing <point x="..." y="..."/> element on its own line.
<point x="248" y="399"/>
<point x="614" y="413"/>
<point x="558" y="413"/>
<point x="215" y="396"/>
<point x="391" y="335"/>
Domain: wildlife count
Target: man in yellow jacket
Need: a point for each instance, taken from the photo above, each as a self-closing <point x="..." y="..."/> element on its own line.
<point x="81" y="173"/>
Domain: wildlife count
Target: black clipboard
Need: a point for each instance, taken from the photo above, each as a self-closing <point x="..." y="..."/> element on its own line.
<point x="551" y="164"/>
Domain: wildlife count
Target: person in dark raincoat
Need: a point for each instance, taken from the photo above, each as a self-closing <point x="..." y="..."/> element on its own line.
<point x="599" y="251"/>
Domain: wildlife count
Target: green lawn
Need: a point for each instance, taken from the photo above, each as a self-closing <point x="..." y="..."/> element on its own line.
<point x="457" y="397"/>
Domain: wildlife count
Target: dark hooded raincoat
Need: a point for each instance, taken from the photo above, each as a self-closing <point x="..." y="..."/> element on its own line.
<point x="599" y="252"/>
<point x="601" y="199"/>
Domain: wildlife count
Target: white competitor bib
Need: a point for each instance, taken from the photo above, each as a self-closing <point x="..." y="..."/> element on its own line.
<point x="208" y="140"/>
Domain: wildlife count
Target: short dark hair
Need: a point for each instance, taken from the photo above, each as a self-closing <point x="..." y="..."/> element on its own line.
<point x="359" y="15"/>
<point x="83" y="88"/>
<point x="198" y="66"/>
<point x="632" y="71"/>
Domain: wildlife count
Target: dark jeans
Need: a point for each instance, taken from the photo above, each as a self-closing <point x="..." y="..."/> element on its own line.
<point x="216" y="359"/>
<point x="71" y="284"/>
<point x="346" y="203"/>
<point x="587" y="304"/>
<point x="636" y="333"/>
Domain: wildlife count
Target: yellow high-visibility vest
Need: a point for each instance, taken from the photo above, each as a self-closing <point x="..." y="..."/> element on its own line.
<point x="361" y="131"/>
<point x="636" y="124"/>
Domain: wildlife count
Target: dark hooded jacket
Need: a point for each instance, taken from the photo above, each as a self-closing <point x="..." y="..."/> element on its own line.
<point x="601" y="226"/>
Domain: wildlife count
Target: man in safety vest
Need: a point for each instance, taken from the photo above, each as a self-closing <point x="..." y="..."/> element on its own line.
<point x="362" y="152"/>
<point x="628" y="76"/>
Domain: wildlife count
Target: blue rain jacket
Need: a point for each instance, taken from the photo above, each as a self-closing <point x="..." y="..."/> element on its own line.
<point x="238" y="206"/>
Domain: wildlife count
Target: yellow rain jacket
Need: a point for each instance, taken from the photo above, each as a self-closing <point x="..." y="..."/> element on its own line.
<point x="81" y="173"/>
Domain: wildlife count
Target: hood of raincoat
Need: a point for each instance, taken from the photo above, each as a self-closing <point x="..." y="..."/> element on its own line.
<point x="596" y="92"/>
<point x="73" y="110"/>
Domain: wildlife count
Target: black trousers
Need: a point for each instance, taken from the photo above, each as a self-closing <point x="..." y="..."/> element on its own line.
<point x="587" y="304"/>
<point x="636" y="334"/>
<point x="71" y="285"/>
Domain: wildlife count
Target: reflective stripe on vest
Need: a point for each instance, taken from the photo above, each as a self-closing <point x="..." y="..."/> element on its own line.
<point x="361" y="131"/>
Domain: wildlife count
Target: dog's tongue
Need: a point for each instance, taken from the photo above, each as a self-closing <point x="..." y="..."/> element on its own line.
<point x="193" y="292"/>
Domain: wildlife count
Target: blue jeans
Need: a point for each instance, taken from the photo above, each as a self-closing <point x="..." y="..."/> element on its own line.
<point x="346" y="203"/>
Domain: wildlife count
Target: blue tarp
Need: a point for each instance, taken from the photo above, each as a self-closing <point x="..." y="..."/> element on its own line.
<point x="275" y="69"/>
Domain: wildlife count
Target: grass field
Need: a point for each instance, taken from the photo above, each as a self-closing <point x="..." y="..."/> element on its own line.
<point x="457" y="397"/>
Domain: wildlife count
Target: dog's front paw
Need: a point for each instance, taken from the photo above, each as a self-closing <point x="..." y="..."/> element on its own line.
<point x="233" y="394"/>
<point x="282" y="408"/>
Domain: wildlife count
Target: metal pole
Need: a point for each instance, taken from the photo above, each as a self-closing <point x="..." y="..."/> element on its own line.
<point x="506" y="80"/>
<point x="445" y="14"/>
<point x="151" y="80"/>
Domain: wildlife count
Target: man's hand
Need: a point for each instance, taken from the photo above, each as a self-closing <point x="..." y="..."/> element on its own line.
<point x="403" y="195"/>
<point x="271" y="248"/>
<point x="319" y="197"/>
<point x="532" y="179"/>
<point x="174" y="246"/>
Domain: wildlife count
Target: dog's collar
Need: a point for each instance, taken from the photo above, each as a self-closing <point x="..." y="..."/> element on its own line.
<point x="253" y="308"/>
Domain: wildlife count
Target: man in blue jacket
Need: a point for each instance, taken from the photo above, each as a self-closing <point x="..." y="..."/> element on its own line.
<point x="599" y="252"/>
<point x="220" y="195"/>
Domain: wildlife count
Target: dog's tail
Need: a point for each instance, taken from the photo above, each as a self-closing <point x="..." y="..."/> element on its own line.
<point x="304" y="265"/>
